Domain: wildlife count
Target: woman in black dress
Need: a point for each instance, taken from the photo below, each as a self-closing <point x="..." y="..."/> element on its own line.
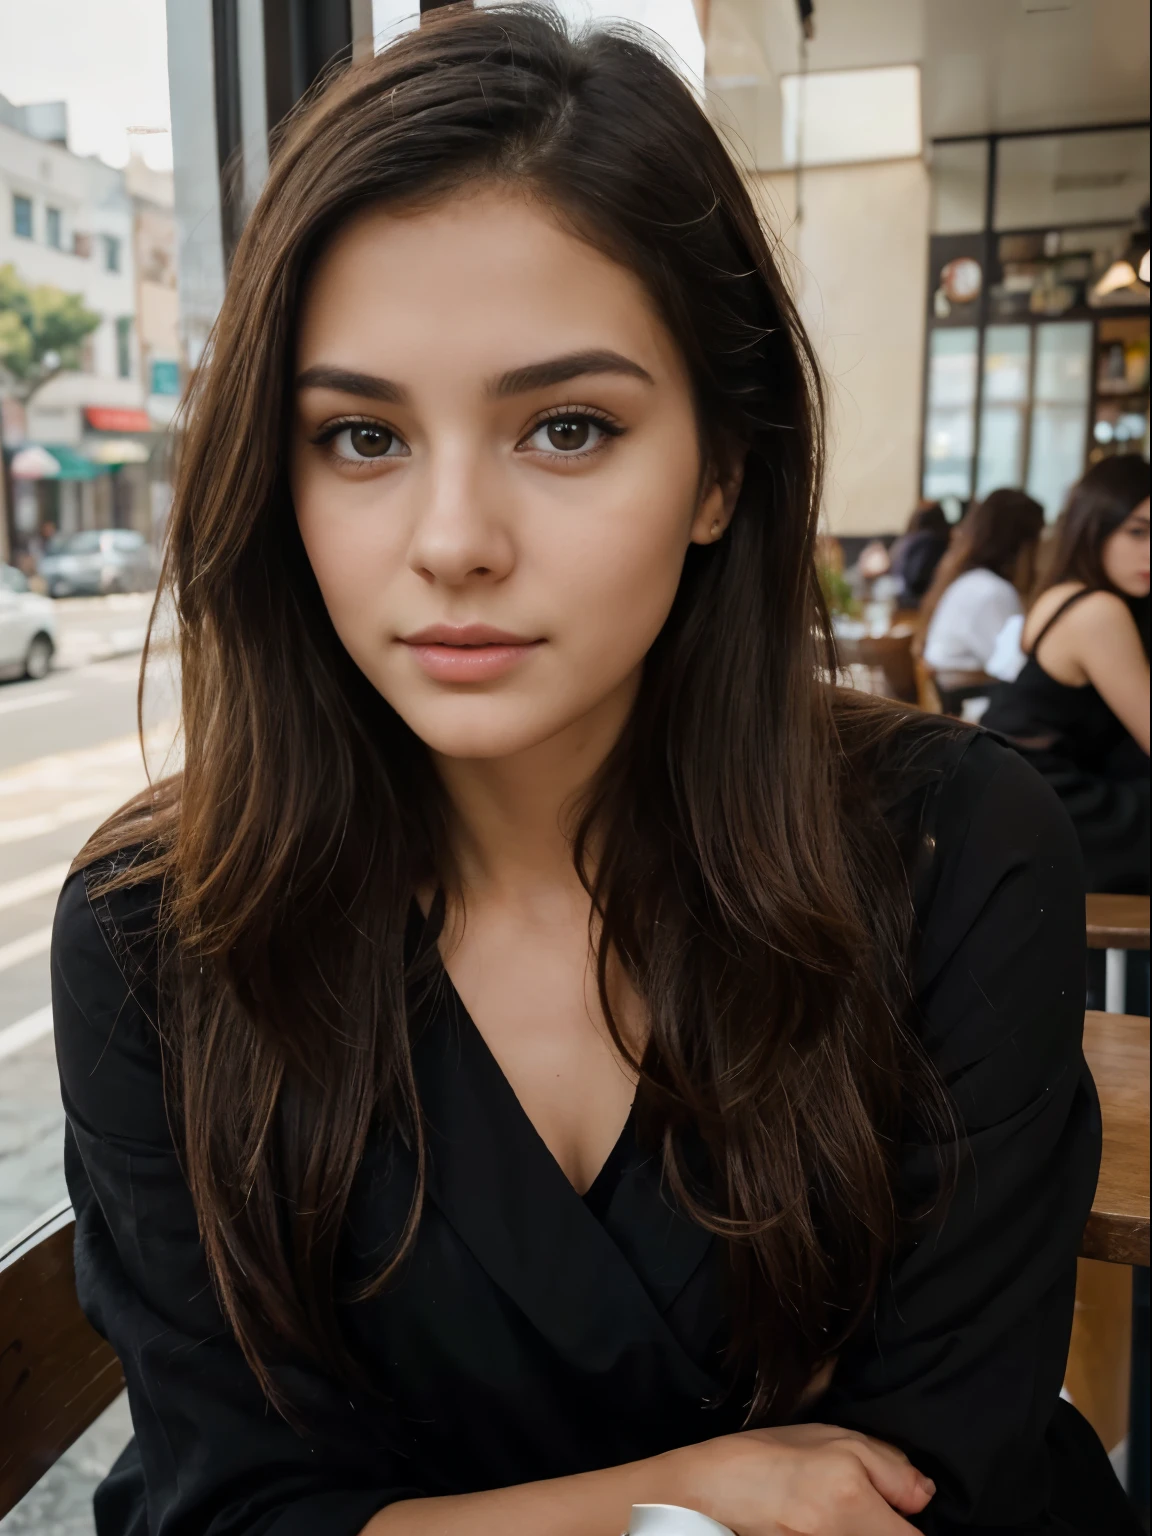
<point x="548" y="1050"/>
<point x="1078" y="709"/>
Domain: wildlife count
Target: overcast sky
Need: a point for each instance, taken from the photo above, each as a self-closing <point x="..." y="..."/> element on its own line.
<point x="106" y="58"/>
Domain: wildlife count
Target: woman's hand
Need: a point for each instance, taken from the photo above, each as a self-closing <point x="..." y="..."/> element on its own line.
<point x="804" y="1480"/>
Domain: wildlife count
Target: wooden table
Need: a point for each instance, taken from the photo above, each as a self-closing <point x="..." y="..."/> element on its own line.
<point x="1117" y="922"/>
<point x="1116" y="1046"/>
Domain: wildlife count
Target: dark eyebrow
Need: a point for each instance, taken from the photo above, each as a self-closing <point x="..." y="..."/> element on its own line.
<point x="517" y="381"/>
<point x="558" y="370"/>
<point x="346" y="382"/>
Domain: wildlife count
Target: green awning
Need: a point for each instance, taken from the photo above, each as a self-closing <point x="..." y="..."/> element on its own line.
<point x="73" y="465"/>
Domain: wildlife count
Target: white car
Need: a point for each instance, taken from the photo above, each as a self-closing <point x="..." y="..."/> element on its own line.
<point x="27" y="627"/>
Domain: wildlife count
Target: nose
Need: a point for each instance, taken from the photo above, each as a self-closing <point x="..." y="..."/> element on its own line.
<point x="461" y="534"/>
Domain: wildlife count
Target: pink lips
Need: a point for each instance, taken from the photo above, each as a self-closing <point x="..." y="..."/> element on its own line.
<point x="467" y="653"/>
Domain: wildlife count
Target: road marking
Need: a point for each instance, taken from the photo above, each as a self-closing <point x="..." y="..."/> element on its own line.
<point x="28" y="886"/>
<point x="19" y="950"/>
<point x="19" y="828"/>
<point x="48" y="696"/>
<point x="25" y="1031"/>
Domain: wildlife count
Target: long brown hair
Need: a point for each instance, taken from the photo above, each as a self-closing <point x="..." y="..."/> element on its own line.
<point x="1097" y="504"/>
<point x="750" y="883"/>
<point x="1000" y="534"/>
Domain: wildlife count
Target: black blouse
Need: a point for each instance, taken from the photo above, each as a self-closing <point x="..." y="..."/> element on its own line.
<point x="534" y="1333"/>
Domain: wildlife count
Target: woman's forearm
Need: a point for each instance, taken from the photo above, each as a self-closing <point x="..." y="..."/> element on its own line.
<point x="589" y="1504"/>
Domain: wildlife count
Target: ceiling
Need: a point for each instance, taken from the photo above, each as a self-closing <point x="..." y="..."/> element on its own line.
<point x="986" y="65"/>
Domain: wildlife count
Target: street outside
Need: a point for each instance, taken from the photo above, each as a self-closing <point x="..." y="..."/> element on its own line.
<point x="69" y="754"/>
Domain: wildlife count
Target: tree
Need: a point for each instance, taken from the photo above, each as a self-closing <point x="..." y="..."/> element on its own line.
<point x="41" y="331"/>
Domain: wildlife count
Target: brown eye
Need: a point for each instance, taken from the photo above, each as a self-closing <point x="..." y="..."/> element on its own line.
<point x="570" y="436"/>
<point x="361" y="441"/>
<point x="569" y="433"/>
<point x="369" y="441"/>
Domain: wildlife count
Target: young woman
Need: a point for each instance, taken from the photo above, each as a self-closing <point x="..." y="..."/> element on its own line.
<point x="548" y="1050"/>
<point x="1079" y="707"/>
<point x="918" y="552"/>
<point x="976" y="590"/>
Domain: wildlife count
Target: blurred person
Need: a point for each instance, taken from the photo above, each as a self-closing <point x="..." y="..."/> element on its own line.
<point x="976" y="590"/>
<point x="870" y="566"/>
<point x="917" y="552"/>
<point x="1078" y="708"/>
<point x="507" y="1075"/>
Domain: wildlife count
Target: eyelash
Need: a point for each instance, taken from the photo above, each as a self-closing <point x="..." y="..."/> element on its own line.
<point x="610" y="427"/>
<point x="601" y="419"/>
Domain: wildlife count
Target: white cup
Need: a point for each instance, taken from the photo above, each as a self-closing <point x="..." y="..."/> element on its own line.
<point x="672" y="1520"/>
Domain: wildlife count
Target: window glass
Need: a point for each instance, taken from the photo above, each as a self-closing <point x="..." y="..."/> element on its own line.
<point x="833" y="117"/>
<point x="959" y="187"/>
<point x="111" y="253"/>
<point x="126" y="539"/>
<point x="12" y="579"/>
<point x="86" y="543"/>
<point x="949" y="428"/>
<point x="53" y="227"/>
<point x="1071" y="178"/>
<point x="22" y="216"/>
<point x="124" y="346"/>
<point x="1003" y="411"/>
<point x="1061" y="389"/>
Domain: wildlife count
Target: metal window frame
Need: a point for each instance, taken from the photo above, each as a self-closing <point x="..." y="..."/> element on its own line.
<point x="989" y="235"/>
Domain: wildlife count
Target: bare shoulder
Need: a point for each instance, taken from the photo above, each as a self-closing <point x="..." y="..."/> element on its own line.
<point x="1103" y="614"/>
<point x="1095" y="613"/>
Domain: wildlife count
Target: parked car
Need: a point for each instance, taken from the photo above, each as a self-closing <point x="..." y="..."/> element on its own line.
<point x="98" y="560"/>
<point x="27" y="627"/>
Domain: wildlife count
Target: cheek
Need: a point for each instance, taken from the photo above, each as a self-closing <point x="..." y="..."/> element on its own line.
<point x="353" y="554"/>
<point x="614" y="577"/>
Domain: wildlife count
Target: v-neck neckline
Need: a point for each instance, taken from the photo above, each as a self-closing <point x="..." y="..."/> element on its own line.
<point x="468" y="1023"/>
<point x="597" y="1290"/>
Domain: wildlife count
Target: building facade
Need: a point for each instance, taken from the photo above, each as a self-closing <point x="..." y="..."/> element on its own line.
<point x="73" y="223"/>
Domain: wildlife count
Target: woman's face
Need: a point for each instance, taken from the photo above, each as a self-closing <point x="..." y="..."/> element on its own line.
<point x="1125" y="554"/>
<point x="496" y="470"/>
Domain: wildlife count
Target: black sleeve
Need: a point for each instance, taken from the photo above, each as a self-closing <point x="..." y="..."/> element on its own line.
<point x="213" y="1459"/>
<point x="963" y="1361"/>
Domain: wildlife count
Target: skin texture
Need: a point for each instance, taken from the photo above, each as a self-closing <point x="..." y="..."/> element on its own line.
<point x="466" y="491"/>
<point x="1097" y="640"/>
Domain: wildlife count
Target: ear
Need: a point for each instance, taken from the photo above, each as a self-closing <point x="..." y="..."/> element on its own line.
<point x="719" y="492"/>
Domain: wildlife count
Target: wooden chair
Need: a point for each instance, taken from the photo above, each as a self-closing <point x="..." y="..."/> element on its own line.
<point x="892" y="656"/>
<point x="1116" y="924"/>
<point x="1099" y="1378"/>
<point x="57" y="1375"/>
<point x="927" y="694"/>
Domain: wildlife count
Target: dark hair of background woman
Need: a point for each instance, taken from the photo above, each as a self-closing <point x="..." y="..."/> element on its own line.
<point x="998" y="534"/>
<point x="744" y="874"/>
<point x="1106" y="497"/>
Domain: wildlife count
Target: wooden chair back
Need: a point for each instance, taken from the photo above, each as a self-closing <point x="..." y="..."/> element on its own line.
<point x="57" y="1374"/>
<point x="927" y="694"/>
<point x="1117" y="922"/>
<point x="891" y="655"/>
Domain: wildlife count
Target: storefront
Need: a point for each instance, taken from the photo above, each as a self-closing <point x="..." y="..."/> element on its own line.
<point x="1037" y="346"/>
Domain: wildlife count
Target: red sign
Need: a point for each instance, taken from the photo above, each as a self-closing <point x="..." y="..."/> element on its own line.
<point x="106" y="418"/>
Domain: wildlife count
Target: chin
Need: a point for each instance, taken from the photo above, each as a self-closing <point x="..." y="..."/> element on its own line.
<point x="478" y="728"/>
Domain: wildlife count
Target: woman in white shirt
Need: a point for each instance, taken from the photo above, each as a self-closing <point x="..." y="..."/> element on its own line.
<point x="977" y="590"/>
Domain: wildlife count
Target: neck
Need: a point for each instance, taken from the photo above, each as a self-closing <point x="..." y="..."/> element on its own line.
<point x="513" y="817"/>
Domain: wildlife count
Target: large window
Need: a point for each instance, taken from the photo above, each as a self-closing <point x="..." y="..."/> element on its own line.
<point x="22" y="216"/>
<point x="1046" y="180"/>
<point x="1004" y="408"/>
<point x="1062" y="389"/>
<point x="54" y="228"/>
<point x="111" y="253"/>
<point x="949" y="434"/>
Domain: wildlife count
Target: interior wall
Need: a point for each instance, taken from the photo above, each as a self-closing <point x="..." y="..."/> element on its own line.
<point x="857" y="261"/>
